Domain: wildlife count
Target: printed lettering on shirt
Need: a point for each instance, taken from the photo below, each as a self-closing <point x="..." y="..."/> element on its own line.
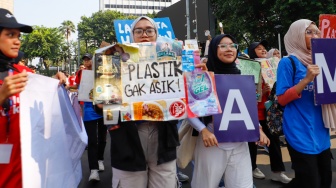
<point x="15" y="106"/>
<point x="309" y="87"/>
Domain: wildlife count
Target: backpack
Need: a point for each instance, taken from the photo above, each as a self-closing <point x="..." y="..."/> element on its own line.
<point x="274" y="110"/>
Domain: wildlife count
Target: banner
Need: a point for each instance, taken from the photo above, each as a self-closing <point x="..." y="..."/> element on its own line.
<point x="327" y="25"/>
<point x="323" y="55"/>
<point x="238" y="121"/>
<point x="53" y="142"/>
<point x="123" y="29"/>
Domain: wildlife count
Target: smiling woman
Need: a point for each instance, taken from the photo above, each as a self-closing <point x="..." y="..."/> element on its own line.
<point x="13" y="79"/>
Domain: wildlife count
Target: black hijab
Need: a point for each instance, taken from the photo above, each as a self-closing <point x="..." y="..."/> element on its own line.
<point x="216" y="65"/>
<point x="6" y="63"/>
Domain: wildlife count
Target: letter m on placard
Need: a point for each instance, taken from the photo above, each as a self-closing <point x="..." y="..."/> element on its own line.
<point x="243" y="115"/>
<point x="322" y="63"/>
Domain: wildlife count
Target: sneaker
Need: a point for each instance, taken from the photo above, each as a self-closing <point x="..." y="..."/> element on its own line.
<point x="182" y="177"/>
<point x="101" y="165"/>
<point x="94" y="176"/>
<point x="281" y="177"/>
<point x="258" y="174"/>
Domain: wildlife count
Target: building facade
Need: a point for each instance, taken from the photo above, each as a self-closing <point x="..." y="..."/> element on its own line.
<point x="136" y="7"/>
<point x="7" y="4"/>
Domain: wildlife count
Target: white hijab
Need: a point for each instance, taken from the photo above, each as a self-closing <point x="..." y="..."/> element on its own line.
<point x="271" y="52"/>
<point x="295" y="42"/>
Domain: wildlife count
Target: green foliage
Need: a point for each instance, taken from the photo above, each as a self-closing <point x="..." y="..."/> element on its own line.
<point x="44" y="43"/>
<point x="251" y="20"/>
<point x="67" y="27"/>
<point x="99" y="27"/>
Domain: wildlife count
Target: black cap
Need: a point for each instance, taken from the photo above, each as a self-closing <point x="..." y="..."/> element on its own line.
<point x="253" y="45"/>
<point x="7" y="20"/>
<point x="88" y="55"/>
<point x="19" y="57"/>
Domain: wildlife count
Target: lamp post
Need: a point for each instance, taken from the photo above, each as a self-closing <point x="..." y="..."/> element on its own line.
<point x="278" y="29"/>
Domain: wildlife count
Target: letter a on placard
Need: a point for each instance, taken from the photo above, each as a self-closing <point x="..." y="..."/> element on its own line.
<point x="321" y="61"/>
<point x="227" y="116"/>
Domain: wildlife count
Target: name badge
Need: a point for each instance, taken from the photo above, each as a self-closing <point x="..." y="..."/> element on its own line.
<point x="5" y="153"/>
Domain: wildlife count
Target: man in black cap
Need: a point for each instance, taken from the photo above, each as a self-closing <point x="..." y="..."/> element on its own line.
<point x="94" y="126"/>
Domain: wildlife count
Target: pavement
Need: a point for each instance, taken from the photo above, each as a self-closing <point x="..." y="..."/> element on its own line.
<point x="262" y="162"/>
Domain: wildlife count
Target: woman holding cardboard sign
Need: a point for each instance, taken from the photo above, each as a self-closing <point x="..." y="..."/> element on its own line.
<point x="213" y="159"/>
<point x="257" y="50"/>
<point x="308" y="140"/>
<point x="143" y="153"/>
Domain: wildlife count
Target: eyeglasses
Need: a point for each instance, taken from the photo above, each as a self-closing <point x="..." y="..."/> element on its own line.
<point x="228" y="46"/>
<point x="139" y="32"/>
<point x="313" y="32"/>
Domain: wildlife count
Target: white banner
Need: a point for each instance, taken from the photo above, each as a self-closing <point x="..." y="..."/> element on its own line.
<point x="51" y="139"/>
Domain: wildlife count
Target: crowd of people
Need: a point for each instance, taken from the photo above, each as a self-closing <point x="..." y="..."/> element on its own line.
<point x="143" y="153"/>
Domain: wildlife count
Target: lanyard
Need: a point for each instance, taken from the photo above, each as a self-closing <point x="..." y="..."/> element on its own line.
<point x="6" y="107"/>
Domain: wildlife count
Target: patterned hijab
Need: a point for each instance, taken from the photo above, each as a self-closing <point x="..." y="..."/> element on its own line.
<point x="295" y="42"/>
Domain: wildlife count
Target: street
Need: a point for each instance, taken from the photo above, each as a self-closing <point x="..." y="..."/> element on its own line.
<point x="262" y="161"/>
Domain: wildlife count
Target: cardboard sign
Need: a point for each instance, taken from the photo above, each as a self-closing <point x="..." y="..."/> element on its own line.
<point x="323" y="55"/>
<point x="249" y="67"/>
<point x="123" y="29"/>
<point x="238" y="121"/>
<point x="327" y="25"/>
<point x="85" y="86"/>
<point x="269" y="70"/>
<point x="152" y="82"/>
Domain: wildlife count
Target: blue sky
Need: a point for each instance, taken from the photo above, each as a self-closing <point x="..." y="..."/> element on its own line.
<point x="51" y="13"/>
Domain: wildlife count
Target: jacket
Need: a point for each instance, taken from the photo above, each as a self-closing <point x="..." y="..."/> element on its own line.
<point x="126" y="150"/>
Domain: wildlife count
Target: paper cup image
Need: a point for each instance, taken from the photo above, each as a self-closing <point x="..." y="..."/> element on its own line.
<point x="109" y="115"/>
<point x="152" y="111"/>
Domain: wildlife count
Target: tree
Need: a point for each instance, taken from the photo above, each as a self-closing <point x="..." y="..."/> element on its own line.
<point x="67" y="27"/>
<point x="99" y="27"/>
<point x="252" y="21"/>
<point x="44" y="43"/>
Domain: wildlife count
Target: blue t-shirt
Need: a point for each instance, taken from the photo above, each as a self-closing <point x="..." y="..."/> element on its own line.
<point x="89" y="113"/>
<point x="302" y="121"/>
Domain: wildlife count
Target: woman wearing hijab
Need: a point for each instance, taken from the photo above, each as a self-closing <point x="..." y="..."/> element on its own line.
<point x="143" y="153"/>
<point x="213" y="159"/>
<point x="273" y="53"/>
<point x="257" y="50"/>
<point x="308" y="140"/>
<point x="13" y="79"/>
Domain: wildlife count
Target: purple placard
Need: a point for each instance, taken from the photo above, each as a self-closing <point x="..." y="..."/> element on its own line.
<point x="236" y="95"/>
<point x="323" y="55"/>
